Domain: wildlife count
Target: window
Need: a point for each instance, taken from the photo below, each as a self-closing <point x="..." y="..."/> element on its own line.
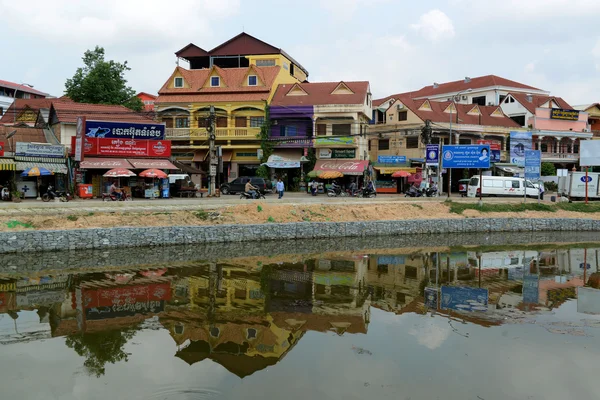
<point x="488" y="183"/>
<point x="286" y="66"/>
<point x="26" y="96"/>
<point x="497" y="184"/>
<point x="251" y="333"/>
<point x="1" y="111"/>
<point x="215" y="81"/>
<point x="412" y="142"/>
<point x="321" y="129"/>
<point x="369" y="145"/>
<point x="502" y="97"/>
<point x="519" y="119"/>
<point x="265" y="63"/>
<point x="252" y="80"/>
<point x="391" y="117"/>
<point x="182" y="122"/>
<point x="288" y="131"/>
<point x="516" y="184"/>
<point x="403" y="116"/>
<point x="256" y="122"/>
<point x="384" y="144"/>
<point x="480" y="100"/>
<point x="246" y="154"/>
<point x="202" y="122"/>
<point x="474" y="181"/>
<point x="179" y="329"/>
<point x="341" y="129"/>
<point x="178" y="82"/>
<point x="214" y="332"/>
<point x="241" y="122"/>
<point x="221" y="122"/>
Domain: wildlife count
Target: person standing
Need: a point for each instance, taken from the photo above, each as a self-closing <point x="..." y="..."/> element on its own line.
<point x="314" y="187"/>
<point x="280" y="188"/>
<point x="542" y="189"/>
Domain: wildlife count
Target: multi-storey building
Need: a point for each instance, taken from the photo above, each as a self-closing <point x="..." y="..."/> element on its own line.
<point x="9" y="91"/>
<point x="148" y="100"/>
<point x="335" y="115"/>
<point x="238" y="78"/>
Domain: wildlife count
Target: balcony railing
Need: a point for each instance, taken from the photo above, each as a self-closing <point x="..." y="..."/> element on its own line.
<point x="565" y="156"/>
<point x="291" y="141"/>
<point x="220" y="133"/>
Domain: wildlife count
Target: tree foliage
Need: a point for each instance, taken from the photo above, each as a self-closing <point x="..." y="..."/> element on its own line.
<point x="548" y="169"/>
<point x="102" y="82"/>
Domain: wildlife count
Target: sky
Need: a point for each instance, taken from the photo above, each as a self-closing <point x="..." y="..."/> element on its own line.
<point x="397" y="45"/>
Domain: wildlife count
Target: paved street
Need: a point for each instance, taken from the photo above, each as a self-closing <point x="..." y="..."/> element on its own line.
<point x="78" y="206"/>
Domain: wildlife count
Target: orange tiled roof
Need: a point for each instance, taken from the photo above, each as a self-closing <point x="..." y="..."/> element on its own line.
<point x="68" y="111"/>
<point x="319" y="93"/>
<point x="460" y="116"/>
<point x="537" y="101"/>
<point x="232" y="79"/>
<point x="21" y="104"/>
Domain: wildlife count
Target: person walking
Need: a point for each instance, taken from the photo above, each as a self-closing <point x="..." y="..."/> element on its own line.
<point x="314" y="187"/>
<point x="280" y="188"/>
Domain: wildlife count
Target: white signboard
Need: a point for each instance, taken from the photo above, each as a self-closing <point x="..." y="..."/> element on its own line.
<point x="39" y="150"/>
<point x="589" y="153"/>
<point x="562" y="172"/>
<point x="325" y="153"/>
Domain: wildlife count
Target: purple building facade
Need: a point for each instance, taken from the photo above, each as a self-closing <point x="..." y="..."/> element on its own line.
<point x="292" y="127"/>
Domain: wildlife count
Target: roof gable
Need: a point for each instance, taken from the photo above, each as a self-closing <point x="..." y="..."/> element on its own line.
<point x="256" y="72"/>
<point x="342" y="88"/>
<point x="426" y="106"/>
<point x="191" y="50"/>
<point x="497" y="113"/>
<point x="215" y="71"/>
<point x="451" y="108"/>
<point x="244" y="44"/>
<point x="296" y="90"/>
<point x="474" y="111"/>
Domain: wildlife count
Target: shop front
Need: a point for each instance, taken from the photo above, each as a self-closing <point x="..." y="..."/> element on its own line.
<point x="350" y="170"/>
<point x="244" y="162"/>
<point x="393" y="179"/>
<point x="46" y="157"/>
<point x="286" y="164"/>
<point x="101" y="155"/>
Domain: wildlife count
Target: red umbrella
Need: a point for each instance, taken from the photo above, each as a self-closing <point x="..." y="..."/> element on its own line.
<point x="153" y="173"/>
<point x="401" y="174"/>
<point x="119" y="173"/>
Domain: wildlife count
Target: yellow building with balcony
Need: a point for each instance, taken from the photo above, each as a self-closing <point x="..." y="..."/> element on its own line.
<point x="238" y="78"/>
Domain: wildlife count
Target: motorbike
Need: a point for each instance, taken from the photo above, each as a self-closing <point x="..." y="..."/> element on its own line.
<point x="248" y="196"/>
<point x="51" y="195"/>
<point x="366" y="193"/>
<point x="113" y="197"/>
<point x="413" y="192"/>
<point x="336" y="193"/>
<point x="431" y="192"/>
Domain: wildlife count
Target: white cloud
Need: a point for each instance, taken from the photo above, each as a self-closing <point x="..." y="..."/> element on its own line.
<point x="530" y="67"/>
<point x="430" y="334"/>
<point x="434" y="25"/>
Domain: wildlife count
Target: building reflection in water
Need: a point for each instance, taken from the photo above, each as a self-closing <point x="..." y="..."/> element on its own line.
<point x="246" y="314"/>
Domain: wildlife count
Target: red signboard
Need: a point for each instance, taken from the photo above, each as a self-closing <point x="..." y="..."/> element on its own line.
<point x="126" y="295"/>
<point x="494" y="144"/>
<point x="1" y="149"/>
<point x="125" y="147"/>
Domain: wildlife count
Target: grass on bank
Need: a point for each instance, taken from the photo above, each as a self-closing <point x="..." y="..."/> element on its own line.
<point x="459" y="208"/>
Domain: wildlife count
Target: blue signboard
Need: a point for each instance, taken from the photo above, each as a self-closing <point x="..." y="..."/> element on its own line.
<point x="533" y="161"/>
<point x="464" y="298"/>
<point x="531" y="286"/>
<point x="394" y="260"/>
<point x="519" y="143"/>
<point x="466" y="156"/>
<point x="391" y="159"/>
<point x="431" y="297"/>
<point x="432" y="155"/>
<point x="495" y="156"/>
<point x="127" y="130"/>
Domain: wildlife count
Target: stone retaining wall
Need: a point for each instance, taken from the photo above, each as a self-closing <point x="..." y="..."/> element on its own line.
<point x="101" y="238"/>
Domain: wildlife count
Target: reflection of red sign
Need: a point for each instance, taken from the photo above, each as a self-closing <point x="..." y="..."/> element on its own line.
<point x="1" y="149"/>
<point x="8" y="301"/>
<point x="126" y="295"/>
<point x="125" y="147"/>
<point x="494" y="144"/>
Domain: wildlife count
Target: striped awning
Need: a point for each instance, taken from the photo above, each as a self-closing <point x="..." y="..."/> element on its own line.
<point x="49" y="160"/>
<point x="53" y="167"/>
<point x="7" y="164"/>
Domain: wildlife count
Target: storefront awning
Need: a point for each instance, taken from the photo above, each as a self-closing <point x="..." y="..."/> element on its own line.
<point x="286" y="159"/>
<point x="227" y="154"/>
<point x="391" y="170"/>
<point x="7" y="164"/>
<point x="188" y="168"/>
<point x="200" y="155"/>
<point x="52" y="167"/>
<point x="104" y="163"/>
<point x="346" y="167"/>
<point x="143" y="163"/>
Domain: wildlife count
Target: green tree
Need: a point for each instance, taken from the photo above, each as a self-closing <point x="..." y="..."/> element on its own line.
<point x="100" y="348"/>
<point x="548" y="169"/>
<point x="102" y="82"/>
<point x="266" y="144"/>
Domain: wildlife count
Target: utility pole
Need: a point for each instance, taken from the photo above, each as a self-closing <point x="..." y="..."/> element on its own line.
<point x="212" y="154"/>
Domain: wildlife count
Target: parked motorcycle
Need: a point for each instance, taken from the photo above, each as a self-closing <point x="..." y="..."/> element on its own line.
<point x="431" y="192"/>
<point x="51" y="195"/>
<point x="366" y="193"/>
<point x="248" y="196"/>
<point x="113" y="197"/>
<point x="413" y="192"/>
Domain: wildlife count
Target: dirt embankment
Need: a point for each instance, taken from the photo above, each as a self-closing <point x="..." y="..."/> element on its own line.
<point x="257" y="213"/>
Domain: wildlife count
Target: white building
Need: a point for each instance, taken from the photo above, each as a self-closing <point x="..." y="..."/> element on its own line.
<point x="10" y="90"/>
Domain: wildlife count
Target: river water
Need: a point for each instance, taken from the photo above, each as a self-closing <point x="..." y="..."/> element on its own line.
<point x="485" y="317"/>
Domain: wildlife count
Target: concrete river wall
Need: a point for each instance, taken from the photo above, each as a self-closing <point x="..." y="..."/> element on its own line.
<point x="124" y="237"/>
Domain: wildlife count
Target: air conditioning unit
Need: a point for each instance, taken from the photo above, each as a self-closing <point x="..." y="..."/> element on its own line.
<point x="464" y="97"/>
<point x="399" y="107"/>
<point x="490" y="103"/>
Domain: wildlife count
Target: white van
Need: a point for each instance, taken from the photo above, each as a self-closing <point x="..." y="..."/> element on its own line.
<point x="501" y="186"/>
<point x="573" y="185"/>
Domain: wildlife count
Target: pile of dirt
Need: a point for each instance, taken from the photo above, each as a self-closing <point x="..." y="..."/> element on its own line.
<point x="259" y="212"/>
